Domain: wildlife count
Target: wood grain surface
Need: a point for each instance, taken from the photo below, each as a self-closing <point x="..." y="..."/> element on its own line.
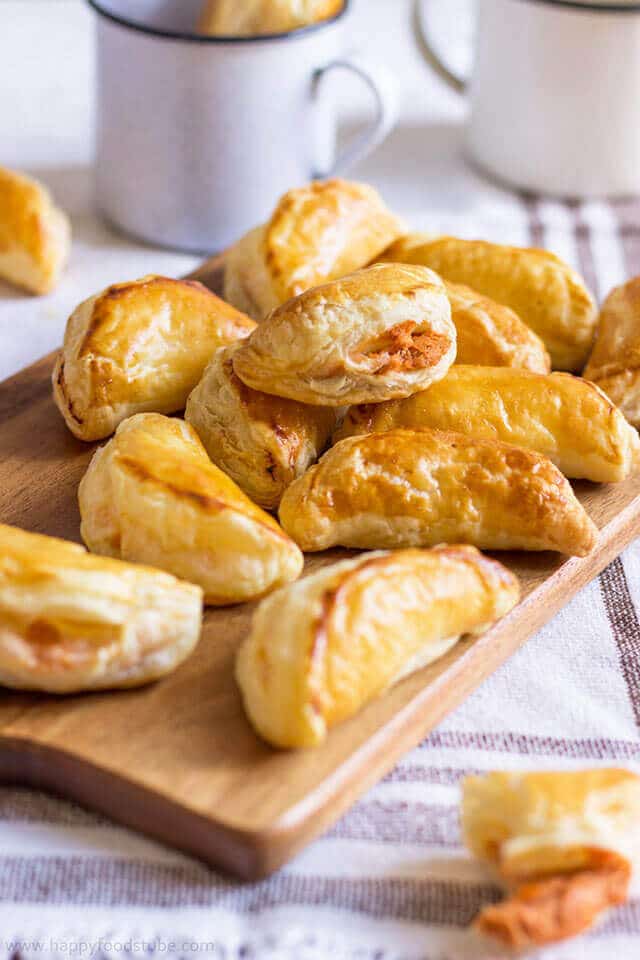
<point x="178" y="760"/>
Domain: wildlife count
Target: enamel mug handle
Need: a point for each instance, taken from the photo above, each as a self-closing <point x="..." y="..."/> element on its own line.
<point x="433" y="58"/>
<point x="383" y="88"/>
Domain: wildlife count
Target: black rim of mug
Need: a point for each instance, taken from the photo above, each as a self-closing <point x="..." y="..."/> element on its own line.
<point x="591" y="7"/>
<point x="203" y="38"/>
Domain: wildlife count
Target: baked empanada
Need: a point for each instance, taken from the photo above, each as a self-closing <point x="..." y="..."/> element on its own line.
<point x="320" y="649"/>
<point x="71" y="622"/>
<point x="409" y="488"/>
<point x="378" y="334"/>
<point x="569" y="837"/>
<point x="493" y="335"/>
<point x="317" y="233"/>
<point x="35" y="235"/>
<point x="254" y="18"/>
<point x="547" y="295"/>
<point x="262" y="442"/>
<point x="138" y="347"/>
<point x="615" y="362"/>
<point x="567" y="419"/>
<point x="152" y="495"/>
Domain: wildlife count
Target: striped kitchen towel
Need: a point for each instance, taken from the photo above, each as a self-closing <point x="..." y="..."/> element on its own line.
<point x="391" y="880"/>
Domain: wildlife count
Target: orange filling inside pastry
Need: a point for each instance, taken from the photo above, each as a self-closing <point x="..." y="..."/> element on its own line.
<point x="406" y="347"/>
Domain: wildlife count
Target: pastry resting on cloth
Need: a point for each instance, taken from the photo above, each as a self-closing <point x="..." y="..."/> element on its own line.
<point x="615" y="362"/>
<point x="377" y="334"/>
<point x="565" y="841"/>
<point x="492" y="334"/>
<point x="544" y="291"/>
<point x="569" y="420"/>
<point x="252" y="18"/>
<point x="408" y="488"/>
<point x="152" y="495"/>
<point x="70" y="621"/>
<point x="35" y="235"/>
<point x="138" y="347"/>
<point x="317" y="233"/>
<point x="322" y="648"/>
<point x="262" y="442"/>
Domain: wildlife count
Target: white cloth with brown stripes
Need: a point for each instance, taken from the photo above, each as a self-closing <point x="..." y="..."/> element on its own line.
<point x="391" y="879"/>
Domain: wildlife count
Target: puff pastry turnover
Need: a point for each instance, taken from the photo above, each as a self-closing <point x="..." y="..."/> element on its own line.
<point x="137" y="347"/>
<point x="252" y="18"/>
<point x="547" y="294"/>
<point x="317" y="233"/>
<point x="567" y="419"/>
<point x="380" y="333"/>
<point x="568" y="838"/>
<point x="615" y="362"/>
<point x="35" y="235"/>
<point x="262" y="442"/>
<point x="71" y="622"/>
<point x="408" y="488"/>
<point x="491" y="334"/>
<point x="320" y="649"/>
<point x="152" y="495"/>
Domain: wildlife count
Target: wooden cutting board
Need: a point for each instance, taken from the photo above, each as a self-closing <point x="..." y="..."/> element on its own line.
<point x="178" y="760"/>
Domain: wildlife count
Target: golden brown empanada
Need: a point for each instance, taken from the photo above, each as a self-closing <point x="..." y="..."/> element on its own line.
<point x="493" y="335"/>
<point x="567" y="419"/>
<point x="569" y="837"/>
<point x="138" y="347"/>
<point x="408" y="488"/>
<point x="547" y="294"/>
<point x="615" y="362"/>
<point x="381" y="333"/>
<point x="317" y="233"/>
<point x="320" y="649"/>
<point x="152" y="495"/>
<point x="262" y="442"/>
<point x="71" y="622"/>
<point x="35" y="235"/>
<point x="253" y="18"/>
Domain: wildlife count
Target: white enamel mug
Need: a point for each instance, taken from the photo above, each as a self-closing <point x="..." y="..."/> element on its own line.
<point x="554" y="93"/>
<point x="197" y="137"/>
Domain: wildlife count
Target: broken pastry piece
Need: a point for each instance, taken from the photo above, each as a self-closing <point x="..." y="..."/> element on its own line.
<point x="262" y="442"/>
<point x="545" y="292"/>
<point x="563" y="417"/>
<point x="492" y="334"/>
<point x="138" y="347"/>
<point x="322" y="648"/>
<point x="377" y="334"/>
<point x="615" y="362"/>
<point x="317" y="233"/>
<point x="408" y="488"/>
<point x="565" y="842"/>
<point x="152" y="495"/>
<point x="35" y="235"/>
<point x="255" y="18"/>
<point x="71" y="622"/>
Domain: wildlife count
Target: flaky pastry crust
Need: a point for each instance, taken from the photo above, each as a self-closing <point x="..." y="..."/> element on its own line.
<point x="615" y="362"/>
<point x="493" y="335"/>
<point x="71" y="622"/>
<point x="547" y="295"/>
<point x="407" y="488"/>
<point x="152" y="495"/>
<point x="253" y="18"/>
<point x="262" y="442"/>
<point x="566" y="840"/>
<point x="138" y="347"/>
<point x="317" y="233"/>
<point x="377" y="334"/>
<point x="319" y="650"/>
<point x="565" y="418"/>
<point x="35" y="235"/>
